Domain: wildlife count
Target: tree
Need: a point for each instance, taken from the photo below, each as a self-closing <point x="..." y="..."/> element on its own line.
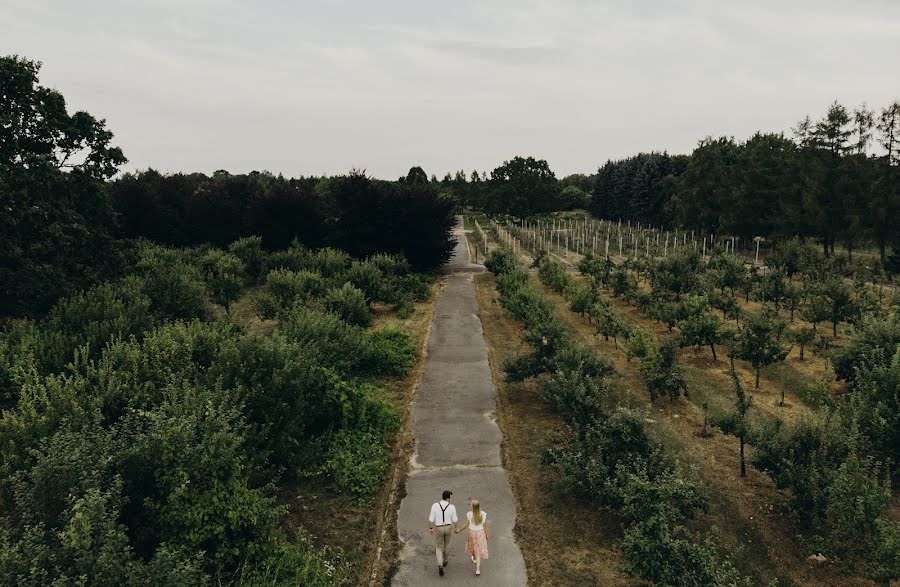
<point x="736" y="423"/>
<point x="522" y="187"/>
<point x="57" y="226"/>
<point x="416" y="175"/>
<point x="803" y="337"/>
<point x="661" y="374"/>
<point x="607" y="320"/>
<point x="698" y="326"/>
<point x="36" y="130"/>
<point x="759" y="341"/>
<point x="839" y="301"/>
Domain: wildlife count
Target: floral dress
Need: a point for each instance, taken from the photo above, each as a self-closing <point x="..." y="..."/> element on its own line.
<point x="476" y="541"/>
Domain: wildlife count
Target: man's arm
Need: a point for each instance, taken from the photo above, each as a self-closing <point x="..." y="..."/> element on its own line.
<point x="431" y="520"/>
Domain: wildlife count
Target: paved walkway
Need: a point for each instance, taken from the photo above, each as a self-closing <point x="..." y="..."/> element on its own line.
<point x="457" y="445"/>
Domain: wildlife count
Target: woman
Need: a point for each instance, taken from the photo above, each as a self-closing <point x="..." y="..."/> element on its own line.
<point x="476" y="540"/>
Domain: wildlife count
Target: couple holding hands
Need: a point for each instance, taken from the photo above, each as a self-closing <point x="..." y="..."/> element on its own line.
<point x="443" y="519"/>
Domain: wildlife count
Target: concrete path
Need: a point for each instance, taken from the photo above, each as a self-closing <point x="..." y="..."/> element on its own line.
<point x="457" y="445"/>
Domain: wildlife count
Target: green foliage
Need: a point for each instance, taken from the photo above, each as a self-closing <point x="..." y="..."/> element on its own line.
<point x="553" y="274"/>
<point x="737" y="422"/>
<point x="760" y="341"/>
<point x="874" y="338"/>
<point x="660" y="372"/>
<point x="662" y="554"/>
<point x="350" y="304"/>
<point x="802" y="457"/>
<point x="856" y="498"/>
<point x="366" y="277"/>
<point x="522" y="187"/>
<point x="223" y="274"/>
<point x="57" y="225"/>
<point x="884" y="559"/>
<point x="874" y="404"/>
<point x="175" y="288"/>
<point x="325" y="338"/>
<point x="677" y="274"/>
<point x="500" y="262"/>
<point x="582" y="296"/>
<point x="697" y="325"/>
<point x="839" y="301"/>
<point x="358" y="461"/>
<point x="89" y="320"/>
<point x="390" y="352"/>
<point x="607" y="320"/>
<point x="250" y="252"/>
<point x="287" y="287"/>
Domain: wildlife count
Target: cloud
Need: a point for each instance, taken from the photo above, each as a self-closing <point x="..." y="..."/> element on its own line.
<point x="319" y="87"/>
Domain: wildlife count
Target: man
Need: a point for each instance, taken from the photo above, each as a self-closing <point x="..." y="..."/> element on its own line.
<point x="441" y="523"/>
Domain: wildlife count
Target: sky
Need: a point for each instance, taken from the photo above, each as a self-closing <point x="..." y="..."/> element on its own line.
<point x="312" y="88"/>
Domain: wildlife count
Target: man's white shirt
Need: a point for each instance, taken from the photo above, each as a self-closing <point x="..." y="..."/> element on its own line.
<point x="438" y="517"/>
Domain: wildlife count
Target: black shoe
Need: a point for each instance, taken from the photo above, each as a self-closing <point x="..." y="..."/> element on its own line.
<point x="445" y="563"/>
<point x="441" y="571"/>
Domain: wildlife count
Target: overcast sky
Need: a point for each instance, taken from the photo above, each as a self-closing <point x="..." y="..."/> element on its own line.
<point x="322" y="87"/>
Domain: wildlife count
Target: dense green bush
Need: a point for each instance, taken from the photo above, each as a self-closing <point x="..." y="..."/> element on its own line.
<point x="874" y="404"/>
<point x="500" y="262"/>
<point x="553" y="274"/>
<point x="857" y="496"/>
<point x="326" y="338"/>
<point x="874" y="340"/>
<point x="660" y="553"/>
<point x="286" y="286"/>
<point x="250" y="251"/>
<point x="175" y="288"/>
<point x="223" y="274"/>
<point x="390" y="352"/>
<point x="802" y="457"/>
<point x="350" y="304"/>
<point x="358" y="461"/>
<point x="90" y="320"/>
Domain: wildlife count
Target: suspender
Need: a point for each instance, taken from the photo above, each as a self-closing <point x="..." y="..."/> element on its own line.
<point x="444" y="512"/>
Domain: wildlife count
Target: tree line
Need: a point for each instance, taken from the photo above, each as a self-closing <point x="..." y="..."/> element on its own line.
<point x="826" y="182"/>
<point x="66" y="224"/>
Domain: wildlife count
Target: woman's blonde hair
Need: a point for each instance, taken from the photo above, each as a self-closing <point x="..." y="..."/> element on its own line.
<point x="477" y="516"/>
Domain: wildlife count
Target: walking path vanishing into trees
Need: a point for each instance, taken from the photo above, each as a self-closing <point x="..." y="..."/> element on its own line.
<point x="457" y="444"/>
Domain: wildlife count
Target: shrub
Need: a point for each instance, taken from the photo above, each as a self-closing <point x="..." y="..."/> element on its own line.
<point x="349" y="303"/>
<point x="500" y="262"/>
<point x="884" y="560"/>
<point x="366" y="277"/>
<point x="875" y="404"/>
<point x="390" y="352"/>
<point x="802" y="457"/>
<point x="874" y="338"/>
<point x="176" y="289"/>
<point x="553" y="274"/>
<point x="856" y="499"/>
<point x="357" y="461"/>
<point x="224" y="276"/>
<point x="90" y="320"/>
<point x="325" y="338"/>
<point x="288" y="286"/>
<point x="249" y="250"/>
<point x="660" y="553"/>
<point x="329" y="262"/>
